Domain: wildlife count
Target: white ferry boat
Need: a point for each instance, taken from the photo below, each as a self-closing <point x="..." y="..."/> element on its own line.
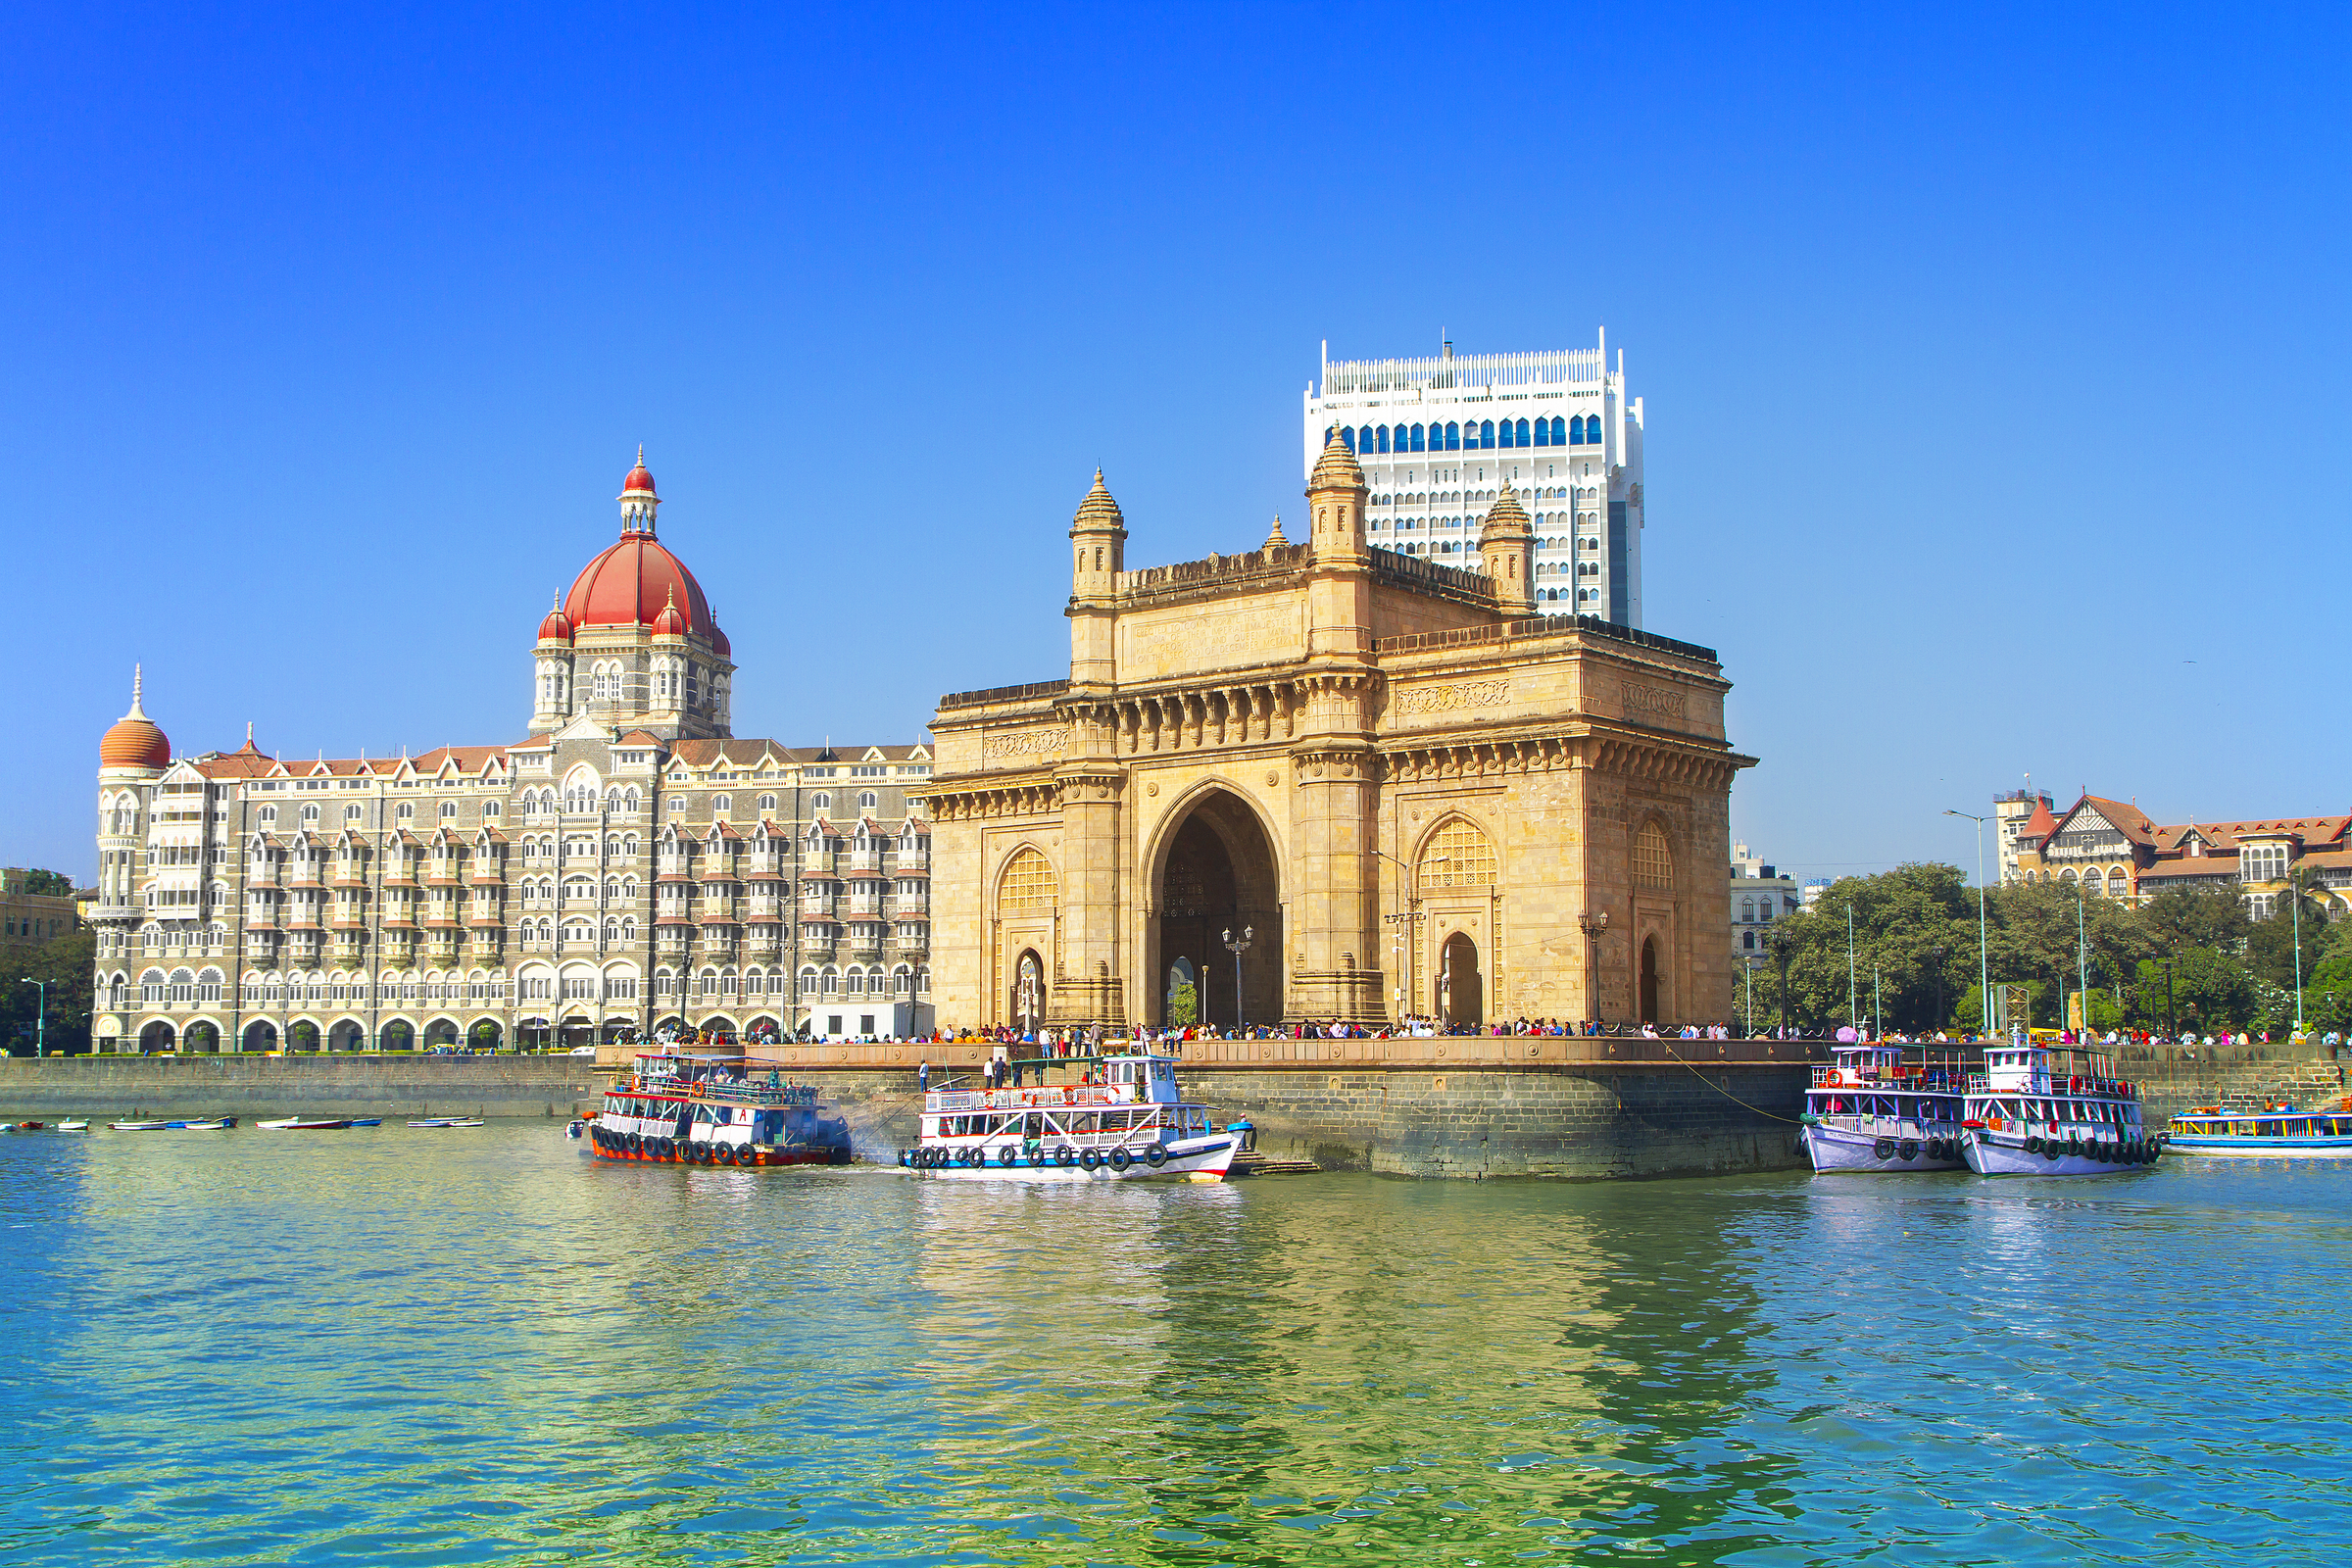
<point x="1867" y="1110"/>
<point x="676" y="1109"/>
<point x="2026" y="1118"/>
<point x="2251" y="1129"/>
<point x="1121" y="1121"/>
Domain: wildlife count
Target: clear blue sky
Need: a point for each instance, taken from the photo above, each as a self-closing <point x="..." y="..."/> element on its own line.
<point x="1994" y="363"/>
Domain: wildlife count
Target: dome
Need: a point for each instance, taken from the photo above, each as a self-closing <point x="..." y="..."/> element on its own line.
<point x="1506" y="518"/>
<point x="1337" y="469"/>
<point x="640" y="477"/>
<point x="630" y="584"/>
<point x="134" y="741"/>
<point x="669" y="624"/>
<point x="719" y="644"/>
<point x="556" y="628"/>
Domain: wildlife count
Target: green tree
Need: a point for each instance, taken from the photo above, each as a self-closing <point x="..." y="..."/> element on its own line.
<point x="1184" y="1005"/>
<point x="67" y="964"/>
<point x="49" y="884"/>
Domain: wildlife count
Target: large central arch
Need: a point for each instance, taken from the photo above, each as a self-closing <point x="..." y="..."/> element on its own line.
<point x="1216" y="872"/>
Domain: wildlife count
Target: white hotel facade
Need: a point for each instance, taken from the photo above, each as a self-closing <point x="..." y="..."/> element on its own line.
<point x="1438" y="437"/>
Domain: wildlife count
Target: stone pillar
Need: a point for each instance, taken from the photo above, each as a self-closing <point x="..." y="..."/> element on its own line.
<point x="1090" y="990"/>
<point x="1333" y="881"/>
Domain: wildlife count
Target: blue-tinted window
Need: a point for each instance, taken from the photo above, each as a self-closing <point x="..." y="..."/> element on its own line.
<point x="1523" y="432"/>
<point x="1559" y="433"/>
<point x="1417" y="438"/>
<point x="1506" y="434"/>
<point x="1363" y="439"/>
<point x="1577" y="431"/>
<point x="1486" y="435"/>
<point x="1383" y="434"/>
<point x="1542" y="433"/>
<point x="1348" y="435"/>
<point x="1454" y="436"/>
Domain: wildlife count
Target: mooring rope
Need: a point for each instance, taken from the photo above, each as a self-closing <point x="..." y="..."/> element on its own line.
<point x="1727" y="1095"/>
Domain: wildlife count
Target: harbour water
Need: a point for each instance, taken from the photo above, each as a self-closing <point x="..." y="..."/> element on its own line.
<point x="405" y="1347"/>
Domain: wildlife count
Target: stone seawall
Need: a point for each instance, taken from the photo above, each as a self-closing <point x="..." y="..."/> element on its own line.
<point x="1588" y="1121"/>
<point x="2172" y="1078"/>
<point x="391" y="1085"/>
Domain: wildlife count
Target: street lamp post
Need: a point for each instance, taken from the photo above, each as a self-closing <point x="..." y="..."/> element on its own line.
<point x="1935" y="957"/>
<point x="1851" y="1006"/>
<point x="1593" y="925"/>
<point x="2172" y="1017"/>
<point x="1747" y="967"/>
<point x="40" y="1019"/>
<point x="1984" y="960"/>
<point x="2294" y="905"/>
<point x="1238" y="946"/>
<point x="1410" y="919"/>
<point x="1781" y="956"/>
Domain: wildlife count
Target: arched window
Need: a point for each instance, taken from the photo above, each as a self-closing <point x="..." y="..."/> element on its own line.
<point x="1653" y="859"/>
<point x="1417" y="438"/>
<point x="1542" y="433"/>
<point x="1454" y="436"/>
<point x="1381" y="436"/>
<point x="868" y="800"/>
<point x="767" y="803"/>
<point x="1576" y="430"/>
<point x="808" y="982"/>
<point x="1523" y="432"/>
<point x="821" y="801"/>
<point x="1747" y="912"/>
<point x="1347" y="438"/>
<point x="721" y="804"/>
<point x="1459" y="855"/>
<point x="1506" y="435"/>
<point x="1559" y="433"/>
<point x="1028" y="883"/>
<point x="1486" y="435"/>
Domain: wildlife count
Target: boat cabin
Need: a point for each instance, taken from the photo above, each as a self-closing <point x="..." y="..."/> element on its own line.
<point x="1120" y="1099"/>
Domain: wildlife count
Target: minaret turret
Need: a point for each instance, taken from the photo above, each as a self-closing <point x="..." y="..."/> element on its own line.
<point x="1336" y="494"/>
<point x="1507" y="543"/>
<point x="1099" y="554"/>
<point x="638" y="502"/>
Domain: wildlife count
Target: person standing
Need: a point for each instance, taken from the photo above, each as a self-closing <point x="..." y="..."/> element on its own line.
<point x="922" y="1076"/>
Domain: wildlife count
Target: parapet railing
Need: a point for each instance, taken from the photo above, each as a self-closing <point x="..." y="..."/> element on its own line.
<point x="1511" y="631"/>
<point x="1005" y="694"/>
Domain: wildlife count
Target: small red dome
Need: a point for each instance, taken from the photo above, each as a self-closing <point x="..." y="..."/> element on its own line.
<point x="556" y="628"/>
<point x="718" y="643"/>
<point x="134" y="741"/>
<point x="669" y="624"/>
<point x="640" y="477"/>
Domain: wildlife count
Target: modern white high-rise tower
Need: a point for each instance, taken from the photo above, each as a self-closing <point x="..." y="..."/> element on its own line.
<point x="1439" y="437"/>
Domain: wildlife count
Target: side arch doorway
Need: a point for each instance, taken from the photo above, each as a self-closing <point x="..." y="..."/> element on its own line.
<point x="1461" y="990"/>
<point x="1218" y="874"/>
<point x="1649" y="979"/>
<point x="1029" y="991"/>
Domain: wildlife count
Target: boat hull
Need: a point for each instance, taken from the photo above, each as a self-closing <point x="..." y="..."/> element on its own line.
<point x="1992" y="1155"/>
<point x="2261" y="1147"/>
<point x="1190" y="1159"/>
<point x="1847" y="1149"/>
<point x="634" y="1149"/>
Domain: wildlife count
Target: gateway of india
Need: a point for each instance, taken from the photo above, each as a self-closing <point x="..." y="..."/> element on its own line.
<point x="1409" y="793"/>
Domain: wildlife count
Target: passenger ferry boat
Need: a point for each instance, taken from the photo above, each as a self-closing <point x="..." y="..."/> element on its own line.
<point x="1122" y="1121"/>
<point x="1868" y="1111"/>
<point x="2026" y="1119"/>
<point x="676" y="1109"/>
<point x="2249" y="1128"/>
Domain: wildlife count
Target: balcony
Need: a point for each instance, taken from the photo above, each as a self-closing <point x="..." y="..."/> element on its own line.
<point x="488" y="876"/>
<point x="865" y="907"/>
<point x="862" y="863"/>
<point x="347" y="876"/>
<point x="759" y="908"/>
<point x="673" y="868"/>
<point x="715" y="911"/>
<point x="907" y="944"/>
<point x="763" y="867"/>
<point x="910" y="907"/>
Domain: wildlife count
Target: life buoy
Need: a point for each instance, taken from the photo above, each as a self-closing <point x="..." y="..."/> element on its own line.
<point x="1120" y="1159"/>
<point x="1883" y="1149"/>
<point x="1088" y="1160"/>
<point x="1063" y="1158"/>
<point x="1154" y="1156"/>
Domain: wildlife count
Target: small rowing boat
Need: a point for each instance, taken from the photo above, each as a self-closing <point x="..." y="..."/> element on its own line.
<point x="46" y="1127"/>
<point x="305" y="1124"/>
<point x="447" y="1121"/>
<point x="366" y="1122"/>
<point x="211" y="1124"/>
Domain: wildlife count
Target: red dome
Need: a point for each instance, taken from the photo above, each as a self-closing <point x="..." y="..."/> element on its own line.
<point x="555" y="629"/>
<point x="629" y="584"/>
<point x="640" y="477"/>
<point x="134" y="741"/>
<point x="718" y="644"/>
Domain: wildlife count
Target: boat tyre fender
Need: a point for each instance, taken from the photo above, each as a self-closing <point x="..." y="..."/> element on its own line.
<point x="636" y="1143"/>
<point x="2051" y="1148"/>
<point x="1010" y="1157"/>
<point x="1088" y="1160"/>
<point x="1063" y="1158"/>
<point x="1120" y="1159"/>
<point x="2033" y="1142"/>
<point x="1883" y="1149"/>
<point x="1155" y="1156"/>
<point x="1909" y="1150"/>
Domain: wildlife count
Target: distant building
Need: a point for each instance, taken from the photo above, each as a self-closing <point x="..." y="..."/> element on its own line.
<point x="1760" y="895"/>
<point x="1439" y="438"/>
<point x="2013" y="813"/>
<point x="1810" y="894"/>
<point x="2113" y="849"/>
<point x="33" y="916"/>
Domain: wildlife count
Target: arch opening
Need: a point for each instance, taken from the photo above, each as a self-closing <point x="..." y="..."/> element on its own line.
<point x="1461" y="990"/>
<point x="1649" y="979"/>
<point x="1218" y="874"/>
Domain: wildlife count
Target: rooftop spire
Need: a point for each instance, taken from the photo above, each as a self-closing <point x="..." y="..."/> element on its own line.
<point x="1276" y="536"/>
<point x="137" y="678"/>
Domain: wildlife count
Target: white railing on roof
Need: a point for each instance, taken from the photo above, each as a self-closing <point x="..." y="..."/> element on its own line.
<point x="1344" y="377"/>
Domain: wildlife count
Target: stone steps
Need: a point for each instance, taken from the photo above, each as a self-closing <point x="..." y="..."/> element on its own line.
<point x="1251" y="1164"/>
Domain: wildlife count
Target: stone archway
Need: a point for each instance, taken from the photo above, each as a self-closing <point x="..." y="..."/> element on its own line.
<point x="202" y="1036"/>
<point x="349" y="1034"/>
<point x="303" y="1036"/>
<point x="398" y="1035"/>
<point x="261" y="1035"/>
<point x="1649" y="979"/>
<point x="441" y="1034"/>
<point x="1218" y="874"/>
<point x="1461" y="1000"/>
<point x="1032" y="991"/>
<point x="157" y="1036"/>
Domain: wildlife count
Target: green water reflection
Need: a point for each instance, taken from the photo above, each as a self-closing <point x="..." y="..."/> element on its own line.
<point x="410" y="1346"/>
